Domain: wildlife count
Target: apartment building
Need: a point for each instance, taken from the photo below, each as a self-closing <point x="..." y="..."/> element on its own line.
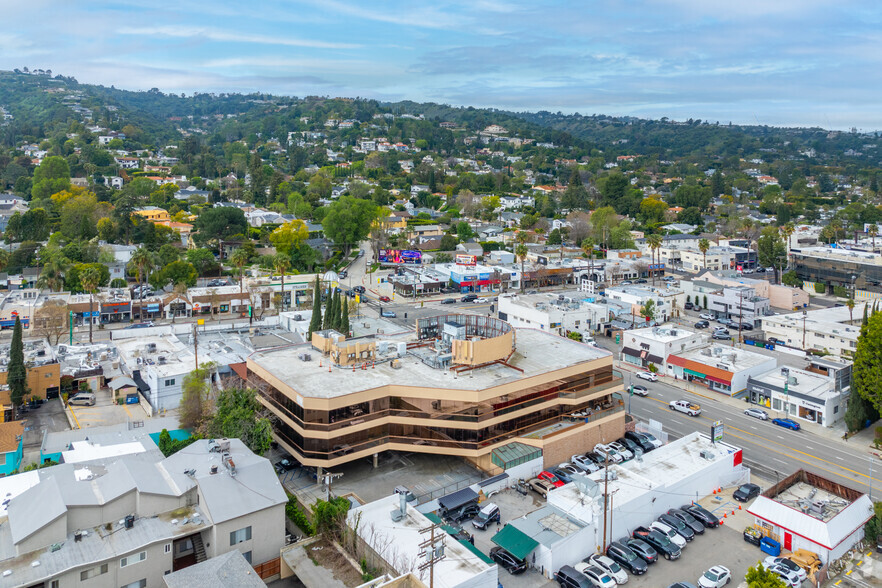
<point x="739" y="303"/>
<point x="128" y="521"/>
<point x="716" y="258"/>
<point x="460" y="384"/>
<point x="667" y="300"/>
<point x="568" y="312"/>
<point x="833" y="330"/>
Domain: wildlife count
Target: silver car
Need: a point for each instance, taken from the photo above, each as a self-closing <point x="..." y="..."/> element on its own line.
<point x="757" y="413"/>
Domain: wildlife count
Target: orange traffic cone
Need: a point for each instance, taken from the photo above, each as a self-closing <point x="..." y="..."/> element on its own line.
<point x="739" y="507"/>
<point x="724" y="515"/>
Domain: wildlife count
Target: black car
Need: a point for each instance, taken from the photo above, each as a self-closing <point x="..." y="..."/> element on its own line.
<point x="746" y="492"/>
<point x="644" y="550"/>
<point x="359" y="289"/>
<point x="661" y="542"/>
<point x="705" y="517"/>
<point x="682" y="529"/>
<point x="469" y="298"/>
<point x="449" y="301"/>
<point x="702" y="325"/>
<point x="511" y="564"/>
<point x="596" y="458"/>
<point x="638" y="438"/>
<point x="286" y="465"/>
<point x="562" y="475"/>
<point x="682" y="585"/>
<point x="629" y="444"/>
<point x="688" y="306"/>
<point x="625" y="557"/>
<point x="687" y="518"/>
<point x="463" y="513"/>
<point x="569" y="577"/>
<point x="460" y="534"/>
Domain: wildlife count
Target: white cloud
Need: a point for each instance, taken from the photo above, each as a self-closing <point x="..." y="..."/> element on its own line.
<point x="182" y="31"/>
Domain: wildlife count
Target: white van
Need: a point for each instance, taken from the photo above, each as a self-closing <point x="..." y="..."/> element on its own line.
<point x="82" y="399"/>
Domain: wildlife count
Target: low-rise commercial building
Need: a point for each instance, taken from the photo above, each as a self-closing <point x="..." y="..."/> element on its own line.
<point x="653" y="345"/>
<point x="567" y="312"/>
<point x="779" y="295"/>
<point x="474" y="277"/>
<point x="714" y="259"/>
<point x="740" y="304"/>
<point x="158" y="365"/>
<point x="723" y="369"/>
<point x="800" y="394"/>
<point x="43" y="371"/>
<point x="666" y="300"/>
<point x="834" y="330"/>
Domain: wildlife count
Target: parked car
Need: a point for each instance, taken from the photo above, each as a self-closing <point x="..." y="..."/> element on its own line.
<point x="757" y="413"/>
<point x="342" y="274"/>
<point x="463" y="513"/>
<point x="561" y="475"/>
<point x="286" y="464"/>
<point x="625" y="557"/>
<point x="776" y="341"/>
<point x="702" y="325"/>
<point x="659" y="541"/>
<point x="608" y="453"/>
<point x="706" y="316"/>
<point x="720" y="336"/>
<point x="388" y="314"/>
<point x="787" y="563"/>
<point x="621" y="450"/>
<point x="702" y="515"/>
<point x="569" y="577"/>
<point x="359" y="289"/>
<point x="648" y="376"/>
<point x="715" y="577"/>
<point x="688" y="519"/>
<point x="631" y="446"/>
<point x="510" y="563"/>
<point x="586" y="464"/>
<point x="787" y="424"/>
<point x="689" y="306"/>
<point x="598" y="459"/>
<point x="724" y="321"/>
<point x="541" y="487"/>
<point x="682" y="585"/>
<point x="644" y="550"/>
<point x="790" y="578"/>
<point x="82" y="399"/>
<point x="548" y="476"/>
<point x="449" y="301"/>
<point x="745" y="492"/>
<point x="469" y="298"/>
<point x="597" y="576"/>
<point x="609" y="566"/>
<point x="385" y="299"/>
<point x="478" y="301"/>
<point x="488" y="515"/>
<point x="671" y="533"/>
<point x="639" y="390"/>
<point x="638" y="438"/>
<point x="684" y="530"/>
<point x="568" y="469"/>
<point x="626" y="283"/>
<point x="649" y="437"/>
<point x="685" y="407"/>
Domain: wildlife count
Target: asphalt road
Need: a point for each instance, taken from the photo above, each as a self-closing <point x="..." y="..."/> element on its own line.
<point x="769" y="450"/>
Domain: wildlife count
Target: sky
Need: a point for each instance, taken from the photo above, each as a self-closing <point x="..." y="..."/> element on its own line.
<point x="774" y="62"/>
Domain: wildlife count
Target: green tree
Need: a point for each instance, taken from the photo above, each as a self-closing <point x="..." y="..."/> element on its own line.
<point x="52" y="274"/>
<point x="520" y="252"/>
<point x="554" y="237"/>
<point x="330" y="517"/>
<point x="178" y="273"/>
<point x="289" y="236"/>
<point x="771" y="251"/>
<point x="315" y="321"/>
<point x="238" y="414"/>
<point x="281" y="264"/>
<point x="866" y="374"/>
<point x="142" y="262"/>
<point x="217" y="224"/>
<point x="194" y="395"/>
<point x="90" y="277"/>
<point x="654" y="242"/>
<point x="328" y="322"/>
<point x="348" y="221"/>
<point x="464" y="231"/>
<point x="17" y="373"/>
<point x="791" y="279"/>
<point x="50" y="177"/>
<point x="703" y="246"/>
<point x="759" y="577"/>
<point x="202" y="259"/>
<point x="239" y="259"/>
<point x="344" y="317"/>
<point x="168" y="253"/>
<point x="648" y="310"/>
<point x="575" y="196"/>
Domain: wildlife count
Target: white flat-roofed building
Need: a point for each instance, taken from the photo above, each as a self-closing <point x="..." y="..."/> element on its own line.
<point x="834" y="330"/>
<point x="722" y="368"/>
<point x="557" y="313"/>
<point x="666" y="300"/>
<point x="160" y="362"/>
<point x="801" y="394"/>
<point x="653" y="345"/>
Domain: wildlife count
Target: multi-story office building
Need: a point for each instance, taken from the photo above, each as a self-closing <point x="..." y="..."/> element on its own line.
<point x="858" y="270"/>
<point x="739" y="303"/>
<point x="461" y="384"/>
<point x="127" y="521"/>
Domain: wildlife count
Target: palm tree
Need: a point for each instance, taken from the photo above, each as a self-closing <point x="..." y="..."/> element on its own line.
<point x="872" y="231"/>
<point x="703" y="246"/>
<point x="654" y="241"/>
<point x="142" y="262"/>
<point x="89" y="279"/>
<point x="786" y="231"/>
<point x="4" y="259"/>
<point x="52" y="275"/>
<point x="520" y="252"/>
<point x="850" y="304"/>
<point x="282" y="263"/>
<point x="588" y="249"/>
<point x="239" y="258"/>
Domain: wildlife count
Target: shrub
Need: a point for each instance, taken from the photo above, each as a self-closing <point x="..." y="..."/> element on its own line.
<point x="820" y="288"/>
<point x="840" y="291"/>
<point x="297" y="516"/>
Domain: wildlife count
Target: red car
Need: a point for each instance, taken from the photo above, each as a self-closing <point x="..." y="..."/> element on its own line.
<point x="551" y="478"/>
<point x="385" y="299"/>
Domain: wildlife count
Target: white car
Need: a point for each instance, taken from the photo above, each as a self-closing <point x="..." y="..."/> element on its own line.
<point x="685" y="407"/>
<point x="785" y="563"/>
<point x="648" y="376"/>
<point x="608" y="452"/>
<point x="584" y="464"/>
<point x="595" y="575"/>
<point x="671" y="533"/>
<point x="610" y="567"/>
<point x="706" y="316"/>
<point x="478" y="301"/>
<point x="569" y="468"/>
<point x="639" y="390"/>
<point x="652" y="439"/>
<point x="622" y="450"/>
<point x="789" y="577"/>
<point x="715" y="577"/>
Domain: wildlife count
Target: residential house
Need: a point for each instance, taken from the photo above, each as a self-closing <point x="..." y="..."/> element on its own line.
<point x="11" y="447"/>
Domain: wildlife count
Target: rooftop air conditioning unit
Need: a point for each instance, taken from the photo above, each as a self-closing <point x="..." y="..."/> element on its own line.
<point x="707" y="454"/>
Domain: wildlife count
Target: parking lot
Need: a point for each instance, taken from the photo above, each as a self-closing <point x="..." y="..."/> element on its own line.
<point x="105" y="412"/>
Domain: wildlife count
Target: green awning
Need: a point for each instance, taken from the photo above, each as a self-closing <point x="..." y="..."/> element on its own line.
<point x="477" y="552"/>
<point x="515" y="542"/>
<point x="433" y="517"/>
<point x="694" y="373"/>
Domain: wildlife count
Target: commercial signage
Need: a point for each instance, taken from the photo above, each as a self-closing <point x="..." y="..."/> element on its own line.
<point x="657" y="266"/>
<point x="405" y="256"/>
<point x="466" y="259"/>
<point x="717" y="431"/>
<point x="152" y="308"/>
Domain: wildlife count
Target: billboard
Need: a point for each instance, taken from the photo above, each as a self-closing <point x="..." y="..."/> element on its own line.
<point x="466" y="259"/>
<point x="405" y="256"/>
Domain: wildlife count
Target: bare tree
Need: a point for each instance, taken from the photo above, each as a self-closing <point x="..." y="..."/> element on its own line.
<point x="51" y="321"/>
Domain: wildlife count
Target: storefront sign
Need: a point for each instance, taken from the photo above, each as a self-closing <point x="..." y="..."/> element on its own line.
<point x="717" y="429"/>
<point x="466" y="259"/>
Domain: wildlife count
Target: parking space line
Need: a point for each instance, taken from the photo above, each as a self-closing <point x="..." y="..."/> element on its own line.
<point x="76" y="420"/>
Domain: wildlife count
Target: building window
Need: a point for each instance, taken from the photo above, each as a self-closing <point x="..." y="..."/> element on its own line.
<point x="247" y="556"/>
<point x="92" y="572"/>
<point x="132" y="559"/>
<point x="240" y="535"/>
<point x="168" y="547"/>
<point x="139" y="584"/>
<point x="835" y="409"/>
<point x="170" y="382"/>
<point x="53" y="584"/>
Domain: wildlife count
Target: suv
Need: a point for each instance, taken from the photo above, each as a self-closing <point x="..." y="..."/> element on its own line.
<point x="625" y="557"/>
<point x="541" y="487"/>
<point x="607" y="452"/>
<point x="511" y="564"/>
<point x="688" y="519"/>
<point x="705" y="517"/>
<point x="487" y="515"/>
<point x="596" y="574"/>
<point x="677" y="524"/>
<point x="661" y="542"/>
<point x="469" y="298"/>
<point x="569" y="577"/>
<point x="746" y="492"/>
<point x="82" y="399"/>
<point x="686" y="407"/>
<point x="463" y="513"/>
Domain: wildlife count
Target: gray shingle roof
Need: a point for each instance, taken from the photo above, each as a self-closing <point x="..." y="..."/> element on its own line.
<point x="229" y="570"/>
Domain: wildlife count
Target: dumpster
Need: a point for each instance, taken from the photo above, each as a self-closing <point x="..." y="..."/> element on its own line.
<point x="770" y="546"/>
<point x="752" y="535"/>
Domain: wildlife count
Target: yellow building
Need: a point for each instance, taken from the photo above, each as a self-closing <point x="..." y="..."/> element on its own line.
<point x="461" y="385"/>
<point x="153" y="214"/>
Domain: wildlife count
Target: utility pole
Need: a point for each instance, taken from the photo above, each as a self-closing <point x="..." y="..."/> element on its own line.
<point x="196" y="342"/>
<point x="434" y="555"/>
<point x="804" y="316"/>
<point x="605" y="495"/>
<point x="740" y="314"/>
<point x="327" y="478"/>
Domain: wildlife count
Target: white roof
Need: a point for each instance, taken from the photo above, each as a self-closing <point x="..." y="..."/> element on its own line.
<point x="87" y="451"/>
<point x="829" y="534"/>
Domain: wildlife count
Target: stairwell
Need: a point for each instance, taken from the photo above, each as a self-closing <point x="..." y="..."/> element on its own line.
<point x="198" y="548"/>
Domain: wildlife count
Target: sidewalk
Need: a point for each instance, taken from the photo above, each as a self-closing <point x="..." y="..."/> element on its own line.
<point x="862" y="440"/>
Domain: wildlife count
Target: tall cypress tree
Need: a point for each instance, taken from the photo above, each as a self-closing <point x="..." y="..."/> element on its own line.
<point x="315" y="323"/>
<point x="344" y="317"/>
<point x="17" y="376"/>
<point x="328" y="323"/>
<point x="335" y="318"/>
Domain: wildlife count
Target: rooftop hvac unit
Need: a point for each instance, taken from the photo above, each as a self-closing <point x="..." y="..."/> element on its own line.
<point x="383" y="347"/>
<point x="402" y="348"/>
<point x="130" y="521"/>
<point x="304" y="357"/>
<point x="151" y="348"/>
<point x="223" y="445"/>
<point x="707" y="454"/>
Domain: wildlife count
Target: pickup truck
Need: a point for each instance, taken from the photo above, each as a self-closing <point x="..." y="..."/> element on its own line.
<point x="659" y="541"/>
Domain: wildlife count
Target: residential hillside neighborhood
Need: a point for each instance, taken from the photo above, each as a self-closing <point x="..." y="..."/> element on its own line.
<point x="263" y="340"/>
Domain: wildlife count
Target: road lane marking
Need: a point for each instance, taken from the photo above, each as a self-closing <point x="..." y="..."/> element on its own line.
<point x="754" y="428"/>
<point x="779" y="437"/>
<point x="839" y="458"/>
